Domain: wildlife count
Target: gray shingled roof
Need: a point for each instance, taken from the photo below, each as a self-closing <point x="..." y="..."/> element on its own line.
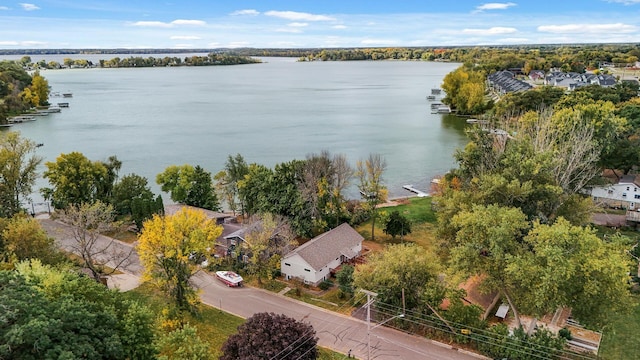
<point x="171" y="209"/>
<point x="328" y="246"/>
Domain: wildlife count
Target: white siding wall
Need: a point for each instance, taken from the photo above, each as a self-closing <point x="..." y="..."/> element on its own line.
<point x="627" y="194"/>
<point x="295" y="267"/>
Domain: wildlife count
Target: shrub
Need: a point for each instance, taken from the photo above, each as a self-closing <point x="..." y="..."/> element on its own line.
<point x="325" y="285"/>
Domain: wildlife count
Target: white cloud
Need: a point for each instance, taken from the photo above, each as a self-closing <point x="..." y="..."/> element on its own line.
<point x="4" y="8"/>
<point x="379" y="42"/>
<point x="29" y="7"/>
<point x="298" y="24"/>
<point x="298" y="16"/>
<point x="497" y="30"/>
<point x="289" y="30"/>
<point x="189" y="22"/>
<point x="213" y="44"/>
<point x="161" y="24"/>
<point x="9" y="43"/>
<point x="250" y="12"/>
<point x="588" y="28"/>
<point x="184" y="37"/>
<point x="339" y="27"/>
<point x="624" y="2"/>
<point x="151" y="24"/>
<point x="495" y="6"/>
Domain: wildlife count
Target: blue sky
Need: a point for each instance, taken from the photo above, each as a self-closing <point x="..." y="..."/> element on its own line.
<point x="318" y="23"/>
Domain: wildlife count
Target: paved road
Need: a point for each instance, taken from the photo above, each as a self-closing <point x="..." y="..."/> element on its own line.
<point x="335" y="331"/>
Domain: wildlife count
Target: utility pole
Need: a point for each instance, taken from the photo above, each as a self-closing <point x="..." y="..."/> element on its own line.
<point x="369" y="294"/>
<point x="370" y="299"/>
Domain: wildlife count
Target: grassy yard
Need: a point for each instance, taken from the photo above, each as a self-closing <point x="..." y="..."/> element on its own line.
<point x="420" y="215"/>
<point x="214" y="326"/>
<point x="620" y="340"/>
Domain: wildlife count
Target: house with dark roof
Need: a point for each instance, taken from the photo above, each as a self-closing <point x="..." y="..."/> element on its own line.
<point x="505" y="81"/>
<point x="313" y="261"/>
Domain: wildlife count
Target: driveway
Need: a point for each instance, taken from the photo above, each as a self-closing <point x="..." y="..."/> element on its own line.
<point x="335" y="331"/>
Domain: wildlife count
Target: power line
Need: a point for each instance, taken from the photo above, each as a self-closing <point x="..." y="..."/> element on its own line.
<point x="489" y="337"/>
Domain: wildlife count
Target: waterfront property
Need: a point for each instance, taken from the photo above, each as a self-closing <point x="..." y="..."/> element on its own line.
<point x="313" y="261"/>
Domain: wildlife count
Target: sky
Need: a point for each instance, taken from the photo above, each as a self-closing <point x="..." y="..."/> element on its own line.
<point x="90" y="24"/>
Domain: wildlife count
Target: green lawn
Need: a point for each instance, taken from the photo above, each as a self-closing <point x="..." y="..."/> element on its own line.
<point x="621" y="339"/>
<point x="422" y="218"/>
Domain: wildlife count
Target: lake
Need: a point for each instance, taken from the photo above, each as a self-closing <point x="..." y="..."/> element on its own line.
<point x="270" y="113"/>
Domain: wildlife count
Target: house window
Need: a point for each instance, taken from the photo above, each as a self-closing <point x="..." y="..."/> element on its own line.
<point x="624" y="195"/>
<point x="287" y="264"/>
<point x="610" y="192"/>
<point x="627" y="188"/>
<point x="635" y="189"/>
<point x="636" y="196"/>
<point x="307" y="270"/>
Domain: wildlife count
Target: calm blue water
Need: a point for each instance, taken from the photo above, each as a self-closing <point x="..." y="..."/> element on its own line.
<point x="273" y="112"/>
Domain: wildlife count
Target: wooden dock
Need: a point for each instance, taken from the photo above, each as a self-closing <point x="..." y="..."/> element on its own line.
<point x="420" y="193"/>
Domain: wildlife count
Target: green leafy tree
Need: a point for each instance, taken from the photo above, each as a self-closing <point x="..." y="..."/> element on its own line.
<point x="202" y="193"/>
<point x="371" y="186"/>
<point x="571" y="266"/>
<point x="18" y="165"/>
<point x="236" y="168"/>
<point x="402" y="266"/>
<point x="39" y="89"/>
<point x="23" y="238"/>
<point x="127" y="190"/>
<point x="75" y="180"/>
<point x="268" y="335"/>
<point x="268" y="237"/>
<point x="252" y="189"/>
<point x="144" y="209"/>
<point x="189" y="185"/>
<point x="397" y="225"/>
<point x="345" y="279"/>
<point x="165" y="246"/>
<point x="183" y="344"/>
<point x="487" y="240"/>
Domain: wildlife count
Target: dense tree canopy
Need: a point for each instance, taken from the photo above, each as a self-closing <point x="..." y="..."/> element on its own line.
<point x="53" y="314"/>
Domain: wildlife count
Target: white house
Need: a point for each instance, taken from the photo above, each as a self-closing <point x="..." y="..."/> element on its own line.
<point x="313" y="261"/>
<point x="625" y="193"/>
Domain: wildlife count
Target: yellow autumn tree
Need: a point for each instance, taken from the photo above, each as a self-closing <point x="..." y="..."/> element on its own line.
<point x="171" y="249"/>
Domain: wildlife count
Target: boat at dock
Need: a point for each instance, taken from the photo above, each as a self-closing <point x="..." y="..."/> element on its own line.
<point x="477" y="121"/>
<point x="20" y="119"/>
<point x="436" y="91"/>
<point x="431" y="97"/>
<point x="63" y="104"/>
<point x="49" y="110"/>
<point x="230" y="278"/>
<point x="443" y="109"/>
<point x="67" y="95"/>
